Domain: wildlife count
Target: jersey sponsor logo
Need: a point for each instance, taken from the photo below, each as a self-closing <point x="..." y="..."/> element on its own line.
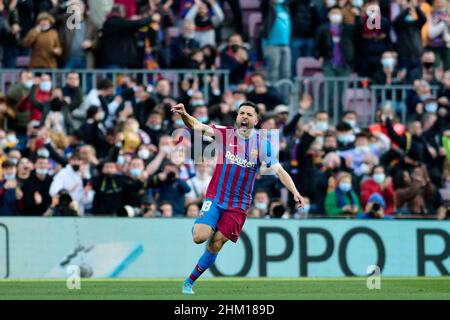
<point x="239" y="161"/>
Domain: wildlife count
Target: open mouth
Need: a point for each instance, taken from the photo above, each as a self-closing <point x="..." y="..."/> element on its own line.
<point x="244" y="125"/>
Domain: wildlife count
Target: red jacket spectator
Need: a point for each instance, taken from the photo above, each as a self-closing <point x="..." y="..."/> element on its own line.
<point x="34" y="102"/>
<point x="369" y="187"/>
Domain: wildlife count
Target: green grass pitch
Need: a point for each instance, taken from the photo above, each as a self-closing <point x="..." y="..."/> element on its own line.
<point x="231" y="288"/>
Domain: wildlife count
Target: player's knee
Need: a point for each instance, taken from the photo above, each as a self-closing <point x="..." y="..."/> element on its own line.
<point x="199" y="238"/>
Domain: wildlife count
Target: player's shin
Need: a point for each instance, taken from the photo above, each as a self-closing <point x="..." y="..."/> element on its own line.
<point x="206" y="261"/>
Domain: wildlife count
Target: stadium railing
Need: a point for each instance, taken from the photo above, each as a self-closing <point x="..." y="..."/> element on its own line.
<point x="89" y="78"/>
<point x="335" y="95"/>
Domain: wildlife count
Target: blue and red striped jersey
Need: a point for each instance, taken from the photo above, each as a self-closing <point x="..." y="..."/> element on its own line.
<point x="238" y="162"/>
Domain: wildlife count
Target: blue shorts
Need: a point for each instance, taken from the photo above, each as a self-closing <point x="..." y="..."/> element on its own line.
<point x="229" y="221"/>
<point x="209" y="214"/>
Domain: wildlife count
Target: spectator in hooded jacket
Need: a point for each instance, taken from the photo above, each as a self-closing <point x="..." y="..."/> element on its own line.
<point x="44" y="43"/>
<point x="380" y="184"/>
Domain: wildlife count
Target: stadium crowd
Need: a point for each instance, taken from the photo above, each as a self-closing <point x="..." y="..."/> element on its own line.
<point x="110" y="151"/>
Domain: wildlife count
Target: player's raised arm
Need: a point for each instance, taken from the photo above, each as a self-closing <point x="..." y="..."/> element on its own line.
<point x="286" y="180"/>
<point x="190" y="121"/>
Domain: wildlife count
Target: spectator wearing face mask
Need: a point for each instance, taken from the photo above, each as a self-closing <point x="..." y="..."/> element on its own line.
<point x="35" y="102"/>
<point x="372" y="39"/>
<point x="380" y="184"/>
<point x="136" y="182"/>
<point x="181" y="47"/>
<point x="36" y="197"/>
<point x="69" y="178"/>
<point x="427" y="70"/>
<point x="408" y="25"/>
<point x="335" y="45"/>
<point x="10" y="192"/>
<point x="44" y="43"/>
<point x="235" y="58"/>
<point x="342" y="200"/>
<point x="345" y="136"/>
<point x="261" y="201"/>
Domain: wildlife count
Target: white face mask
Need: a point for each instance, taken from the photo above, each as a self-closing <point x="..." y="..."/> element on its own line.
<point x="261" y="206"/>
<point x="45" y="86"/>
<point x="364" y="169"/>
<point x="345" y="186"/>
<point x="331" y="3"/>
<point x="379" y="177"/>
<point x="144" y="154"/>
<point x="363" y="149"/>
<point x="336" y="18"/>
<point x="28" y="84"/>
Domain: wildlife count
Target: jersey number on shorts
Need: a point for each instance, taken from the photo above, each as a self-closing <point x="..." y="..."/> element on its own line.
<point x="206" y="206"/>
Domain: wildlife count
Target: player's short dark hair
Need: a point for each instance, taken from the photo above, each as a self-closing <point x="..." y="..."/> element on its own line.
<point x="250" y="104"/>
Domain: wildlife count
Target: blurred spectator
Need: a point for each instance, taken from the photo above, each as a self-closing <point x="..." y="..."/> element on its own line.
<point x="171" y="188"/>
<point x="372" y="39"/>
<point x="72" y="93"/>
<point x="79" y="43"/>
<point x="166" y="209"/>
<point x="379" y="184"/>
<point x="305" y="21"/>
<point x="375" y="208"/>
<point x="69" y="178"/>
<point x="277" y="210"/>
<point x="36" y="197"/>
<point x="235" y="58"/>
<point x="276" y="38"/>
<point x="118" y="46"/>
<point x="408" y="25"/>
<point x="199" y="183"/>
<point x="93" y="131"/>
<point x="44" y="43"/>
<point x="192" y="210"/>
<point x="438" y="37"/>
<point x="414" y="191"/>
<point x="206" y="16"/>
<point x="36" y="100"/>
<point x="262" y="93"/>
<point x="334" y="45"/>
<point x="428" y="70"/>
<point x="10" y="192"/>
<point x="62" y="205"/>
<point x="182" y="46"/>
<point x="9" y="33"/>
<point x="261" y="202"/>
<point x="102" y="97"/>
<point x="110" y="189"/>
<point x="388" y="73"/>
<point x="342" y="200"/>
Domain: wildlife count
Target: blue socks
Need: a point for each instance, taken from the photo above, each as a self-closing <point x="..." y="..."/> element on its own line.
<point x="206" y="261"/>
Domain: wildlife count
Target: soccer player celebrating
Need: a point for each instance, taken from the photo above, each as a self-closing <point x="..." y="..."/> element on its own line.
<point x="240" y="153"/>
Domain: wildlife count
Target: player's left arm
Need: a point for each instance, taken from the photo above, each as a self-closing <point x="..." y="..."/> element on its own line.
<point x="287" y="181"/>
